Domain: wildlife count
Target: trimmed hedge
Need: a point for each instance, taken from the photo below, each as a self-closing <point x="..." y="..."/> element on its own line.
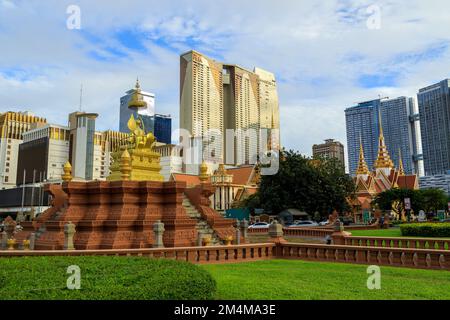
<point x="437" y="230"/>
<point x="104" y="278"/>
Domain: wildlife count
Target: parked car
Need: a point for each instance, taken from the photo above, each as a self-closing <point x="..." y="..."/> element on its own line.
<point x="259" y="225"/>
<point x="324" y="223"/>
<point x="304" y="223"/>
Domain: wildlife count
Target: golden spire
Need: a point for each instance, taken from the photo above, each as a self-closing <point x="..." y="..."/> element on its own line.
<point x="67" y="176"/>
<point x="203" y="172"/>
<point x="137" y="86"/>
<point x="362" y="165"/>
<point x="383" y="160"/>
<point x="137" y="100"/>
<point x="125" y="167"/>
<point x="401" y="170"/>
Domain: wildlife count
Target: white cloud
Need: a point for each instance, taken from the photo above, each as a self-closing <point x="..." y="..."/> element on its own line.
<point x="318" y="51"/>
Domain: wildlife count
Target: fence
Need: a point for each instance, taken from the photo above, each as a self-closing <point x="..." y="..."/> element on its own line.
<point x="400" y="257"/>
<point x="209" y="254"/>
<point x="413" y="243"/>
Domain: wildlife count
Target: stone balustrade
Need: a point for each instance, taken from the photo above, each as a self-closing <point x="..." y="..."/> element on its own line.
<point x="397" y="242"/>
<point x="400" y="257"/>
<point x="209" y="254"/>
<point x="297" y="232"/>
<point x="307" y="232"/>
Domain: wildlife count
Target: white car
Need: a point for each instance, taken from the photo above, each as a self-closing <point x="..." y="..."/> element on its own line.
<point x="324" y="223"/>
<point x="306" y="223"/>
<point x="259" y="225"/>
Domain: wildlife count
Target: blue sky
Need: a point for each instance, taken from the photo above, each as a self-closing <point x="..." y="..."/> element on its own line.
<point x="323" y="54"/>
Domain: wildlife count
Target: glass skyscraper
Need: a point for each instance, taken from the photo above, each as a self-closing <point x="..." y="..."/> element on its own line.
<point x="160" y="125"/>
<point x="400" y="127"/>
<point x="434" y="110"/>
<point x="163" y="128"/>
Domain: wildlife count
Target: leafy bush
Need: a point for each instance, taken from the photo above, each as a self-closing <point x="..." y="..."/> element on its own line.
<point x="426" y="230"/>
<point x="104" y="278"/>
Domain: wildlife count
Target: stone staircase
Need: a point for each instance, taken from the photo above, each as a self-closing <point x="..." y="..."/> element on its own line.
<point x="202" y="226"/>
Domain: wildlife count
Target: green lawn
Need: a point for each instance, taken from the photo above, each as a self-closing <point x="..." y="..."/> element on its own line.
<point x="392" y="232"/>
<point x="303" y="280"/>
<point x="103" y="278"/>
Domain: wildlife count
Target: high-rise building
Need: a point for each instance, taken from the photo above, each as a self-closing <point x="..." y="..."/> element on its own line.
<point x="329" y="149"/>
<point x="163" y="128"/>
<point x="439" y="181"/>
<point x="216" y="98"/>
<point x="141" y="105"/>
<point x="82" y="152"/>
<point x="401" y="131"/>
<point x="43" y="153"/>
<point x="434" y="111"/>
<point x="12" y="126"/>
<point x="201" y="102"/>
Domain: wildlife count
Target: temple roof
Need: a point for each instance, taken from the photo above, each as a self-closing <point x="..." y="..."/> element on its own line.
<point x="190" y="179"/>
<point x="241" y="175"/>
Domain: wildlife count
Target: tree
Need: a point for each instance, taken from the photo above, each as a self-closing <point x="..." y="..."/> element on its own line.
<point x="394" y="199"/>
<point x="434" y="200"/>
<point x="306" y="184"/>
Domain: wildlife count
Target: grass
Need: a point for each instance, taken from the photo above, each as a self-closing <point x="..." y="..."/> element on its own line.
<point x="391" y="232"/>
<point x="103" y="278"/>
<point x="304" y="280"/>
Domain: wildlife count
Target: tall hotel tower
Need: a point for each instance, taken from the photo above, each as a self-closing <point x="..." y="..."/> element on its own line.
<point x="216" y="96"/>
<point x="434" y="110"/>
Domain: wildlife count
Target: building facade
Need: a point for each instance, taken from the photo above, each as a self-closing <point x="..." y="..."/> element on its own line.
<point x="434" y="111"/>
<point x="401" y="131"/>
<point x="43" y="153"/>
<point x="83" y="142"/>
<point x="163" y="128"/>
<point x="224" y="107"/>
<point x="329" y="149"/>
<point x="12" y="126"/>
<point x="439" y="181"/>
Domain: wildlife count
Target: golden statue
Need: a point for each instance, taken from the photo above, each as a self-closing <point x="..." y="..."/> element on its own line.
<point x="137" y="161"/>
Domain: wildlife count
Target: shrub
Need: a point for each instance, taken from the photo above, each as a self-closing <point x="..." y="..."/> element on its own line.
<point x="426" y="230"/>
<point x="104" y="278"/>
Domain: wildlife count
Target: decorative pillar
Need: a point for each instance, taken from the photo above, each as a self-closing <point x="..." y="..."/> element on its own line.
<point x="339" y="234"/>
<point x="276" y="232"/>
<point x="4" y="243"/>
<point x="244" y="227"/>
<point x="67" y="176"/>
<point x="158" y="231"/>
<point x="69" y="231"/>
<point x="206" y="240"/>
<point x="237" y="239"/>
<point x="199" y="239"/>
<point x="11" y="243"/>
<point x="26" y="245"/>
<point x="125" y="165"/>
<point x="32" y="240"/>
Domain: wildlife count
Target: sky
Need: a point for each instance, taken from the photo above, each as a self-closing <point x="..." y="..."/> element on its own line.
<point x="326" y="55"/>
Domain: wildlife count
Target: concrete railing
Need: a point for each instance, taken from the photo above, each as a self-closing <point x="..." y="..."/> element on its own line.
<point x="396" y="242"/>
<point x="307" y="232"/>
<point x="207" y="254"/>
<point x="297" y="232"/>
<point x="400" y="257"/>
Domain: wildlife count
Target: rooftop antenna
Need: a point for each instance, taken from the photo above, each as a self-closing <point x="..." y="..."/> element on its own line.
<point x="81" y="95"/>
